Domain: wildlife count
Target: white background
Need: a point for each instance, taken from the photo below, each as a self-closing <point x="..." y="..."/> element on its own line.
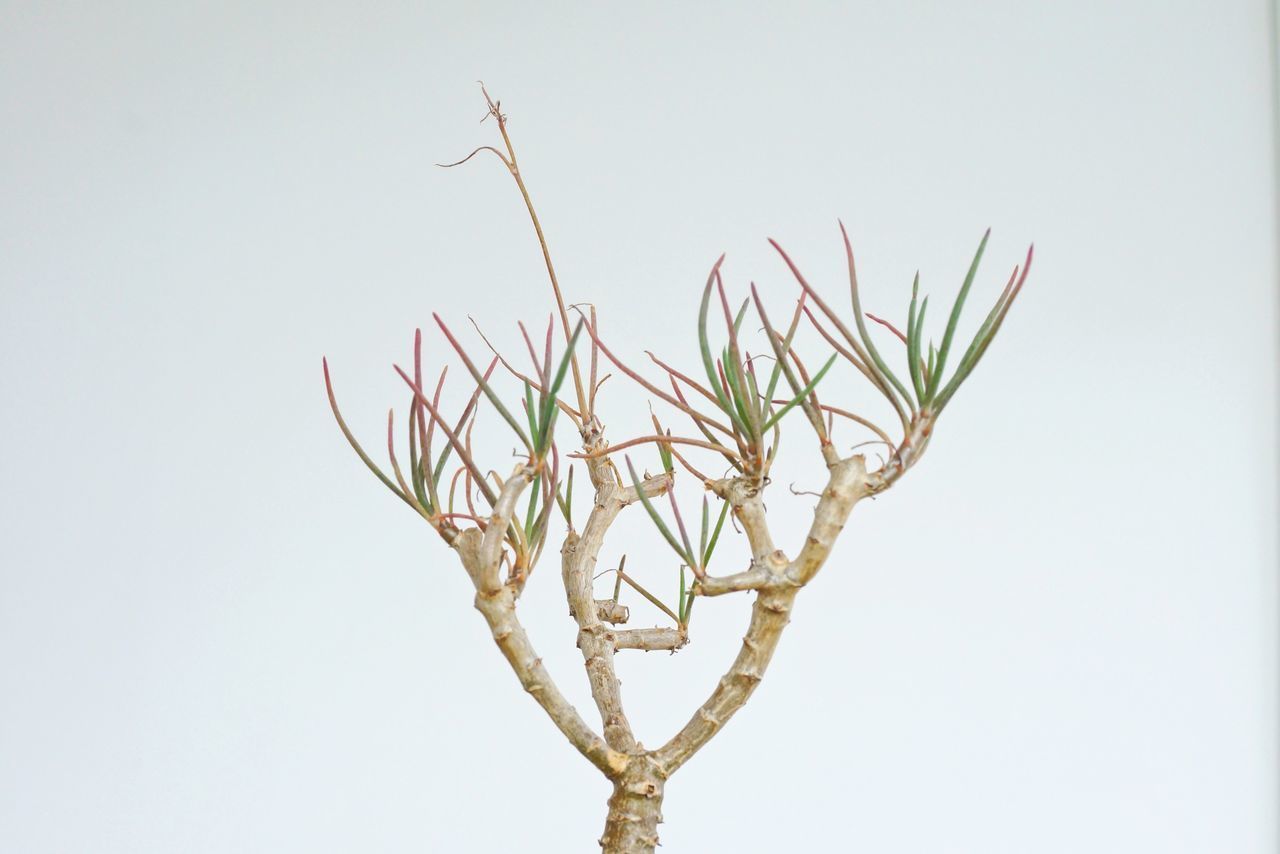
<point x="218" y="633"/>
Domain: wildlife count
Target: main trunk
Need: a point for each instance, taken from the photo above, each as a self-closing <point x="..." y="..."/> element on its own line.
<point x="635" y="809"/>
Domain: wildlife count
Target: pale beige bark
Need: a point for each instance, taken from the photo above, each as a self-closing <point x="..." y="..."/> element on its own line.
<point x="638" y="775"/>
<point x="649" y="640"/>
<point x="578" y="562"/>
<point x="778" y="580"/>
<point x="609" y="611"/>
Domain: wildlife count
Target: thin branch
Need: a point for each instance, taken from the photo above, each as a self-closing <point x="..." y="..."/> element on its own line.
<point x="643" y="439"/>
<point x="513" y="167"/>
<point x="490" y="148"/>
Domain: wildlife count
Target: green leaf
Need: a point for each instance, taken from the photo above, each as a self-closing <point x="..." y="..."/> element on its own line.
<point x="777" y="364"/>
<point x="530" y="410"/>
<point x="533" y="506"/>
<point x="564" y="510"/>
<point x="779" y="351"/>
<point x="543" y="522"/>
<point x="804" y="392"/>
<point x="736" y="388"/>
<point x="568" y="493"/>
<point x="913" y="344"/>
<point x="680" y="602"/>
<point x="973" y="354"/>
<point x="706" y="518"/>
<point x="664" y="454"/>
<point x="484" y="385"/>
<point x="742" y="312"/>
<point x="653" y="514"/>
<point x="415" y="465"/>
<point x="709" y="364"/>
<point x="355" y="446"/>
<point x="935" y="379"/>
<point x="860" y="320"/>
<point x="715" y="535"/>
<point x="549" y="409"/>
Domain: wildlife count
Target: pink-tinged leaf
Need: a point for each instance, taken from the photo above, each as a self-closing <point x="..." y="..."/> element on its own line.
<point x="533" y="354"/>
<point x="652" y="389"/>
<point x="887" y="325"/>
<point x="454" y="441"/>
<point x="351" y="440"/>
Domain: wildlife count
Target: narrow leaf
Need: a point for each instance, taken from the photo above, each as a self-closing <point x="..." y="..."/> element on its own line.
<point x="805" y="392"/>
<point x="705" y="347"/>
<point x="862" y="323"/>
<point x="715" y="535"/>
<point x="484" y="385"/>
<point x="936" y="378"/>
<point x="653" y="514"/>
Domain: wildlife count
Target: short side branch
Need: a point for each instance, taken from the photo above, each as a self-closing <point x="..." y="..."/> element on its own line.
<point x="650" y="640"/>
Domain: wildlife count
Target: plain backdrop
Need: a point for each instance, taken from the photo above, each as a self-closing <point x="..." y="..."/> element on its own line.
<point x="218" y="633"/>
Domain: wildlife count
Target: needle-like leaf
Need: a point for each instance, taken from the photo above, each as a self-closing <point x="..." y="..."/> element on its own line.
<point x="987" y="333"/>
<point x="862" y="323"/>
<point x="548" y="415"/>
<point x="780" y="354"/>
<point x="715" y="535"/>
<point x="454" y="441"/>
<point x="351" y="440"/>
<point x="653" y="514"/>
<point x="704" y="346"/>
<point x="706" y="518"/>
<point x="484" y="385"/>
<point x="467" y="412"/>
<point x="935" y="378"/>
<point x="805" y="392"/>
<point x="913" y="343"/>
<point x="680" y="602"/>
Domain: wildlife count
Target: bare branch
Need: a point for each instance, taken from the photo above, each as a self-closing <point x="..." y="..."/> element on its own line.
<point x="650" y="640"/>
<point x="752" y="579"/>
<point x="578" y="563"/>
<point x="513" y="167"/>
<point x="479" y="149"/>
<point x="500" y="613"/>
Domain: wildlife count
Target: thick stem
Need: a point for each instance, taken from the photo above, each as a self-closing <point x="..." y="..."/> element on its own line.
<point x="578" y="563"/>
<point x="499" y="610"/>
<point x="594" y="638"/>
<point x="635" y="811"/>
<point x="775" y="597"/>
<point x="769" y="616"/>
